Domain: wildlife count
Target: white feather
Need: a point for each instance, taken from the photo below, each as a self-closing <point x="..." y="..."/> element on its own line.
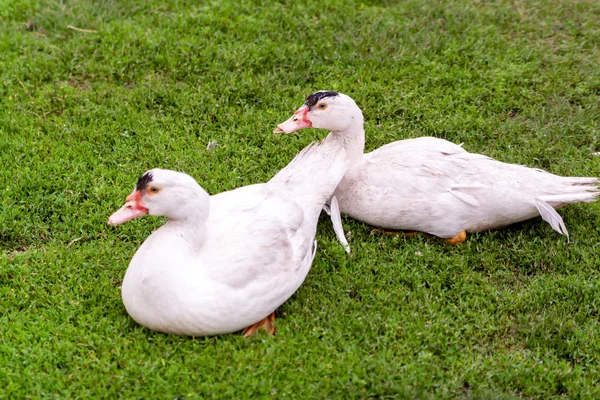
<point x="550" y="215"/>
<point x="336" y="220"/>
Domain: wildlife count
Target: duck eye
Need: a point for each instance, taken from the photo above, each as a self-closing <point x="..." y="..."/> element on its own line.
<point x="322" y="106"/>
<point x="153" y="190"/>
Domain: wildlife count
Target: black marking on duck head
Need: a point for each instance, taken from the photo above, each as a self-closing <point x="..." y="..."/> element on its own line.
<point x="143" y="182"/>
<point x="314" y="98"/>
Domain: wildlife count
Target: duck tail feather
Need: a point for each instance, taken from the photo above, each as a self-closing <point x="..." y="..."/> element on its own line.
<point x="558" y="200"/>
<point x="585" y="181"/>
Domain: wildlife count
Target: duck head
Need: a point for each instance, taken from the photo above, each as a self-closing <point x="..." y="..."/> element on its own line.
<point x="329" y="110"/>
<point x="162" y="192"/>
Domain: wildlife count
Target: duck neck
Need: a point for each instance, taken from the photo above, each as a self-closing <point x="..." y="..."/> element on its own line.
<point x="191" y="225"/>
<point x="353" y="141"/>
<point x="194" y="234"/>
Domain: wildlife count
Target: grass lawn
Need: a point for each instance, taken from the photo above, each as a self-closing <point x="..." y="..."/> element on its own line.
<point x="148" y="84"/>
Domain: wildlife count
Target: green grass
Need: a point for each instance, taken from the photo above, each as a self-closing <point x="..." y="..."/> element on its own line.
<point x="509" y="313"/>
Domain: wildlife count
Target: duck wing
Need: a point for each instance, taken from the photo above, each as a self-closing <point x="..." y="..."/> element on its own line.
<point x="256" y="254"/>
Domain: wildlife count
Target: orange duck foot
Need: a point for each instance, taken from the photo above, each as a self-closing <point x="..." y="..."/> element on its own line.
<point x="266" y="324"/>
<point x="458" y="239"/>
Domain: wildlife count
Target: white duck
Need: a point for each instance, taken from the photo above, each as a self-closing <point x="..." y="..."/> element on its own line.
<point x="431" y="185"/>
<point x="226" y="262"/>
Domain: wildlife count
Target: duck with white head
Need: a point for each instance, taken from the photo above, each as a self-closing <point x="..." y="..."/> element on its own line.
<point x="431" y="185"/>
<point x="224" y="263"/>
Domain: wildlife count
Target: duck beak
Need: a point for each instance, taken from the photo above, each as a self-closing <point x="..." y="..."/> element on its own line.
<point x="298" y="121"/>
<point x="130" y="210"/>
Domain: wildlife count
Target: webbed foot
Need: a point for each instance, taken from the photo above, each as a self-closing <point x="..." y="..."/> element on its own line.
<point x="266" y="324"/>
<point x="458" y="239"/>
